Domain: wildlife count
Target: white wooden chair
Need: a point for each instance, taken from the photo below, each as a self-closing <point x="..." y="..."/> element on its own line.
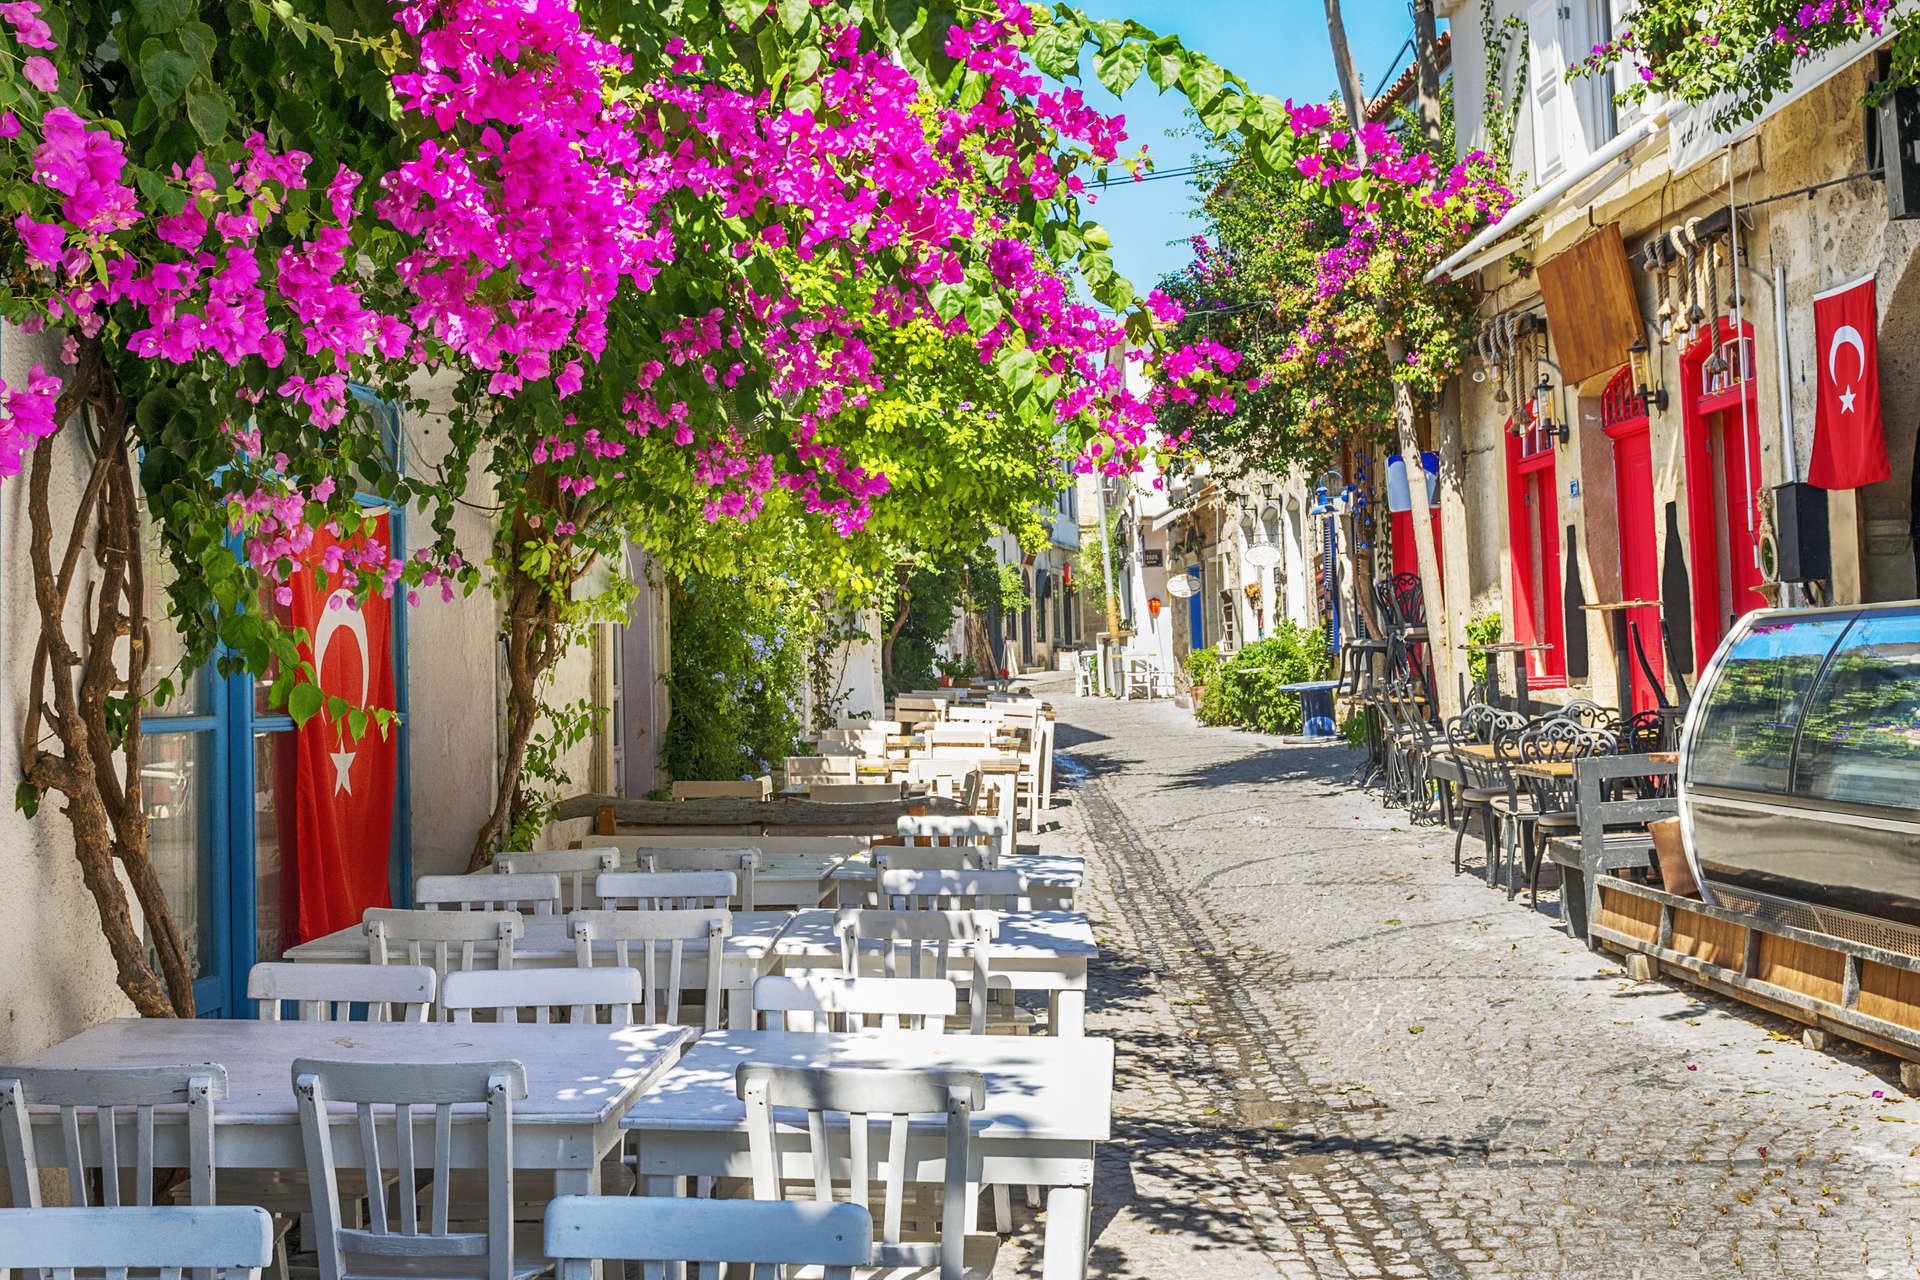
<point x="667" y="890"/>
<point x="327" y="992"/>
<point x="826" y="1002"/>
<point x="99" y="1095"/>
<point x="575" y="867"/>
<point x="760" y="788"/>
<point x="802" y="770"/>
<point x="910" y="710"/>
<point x="553" y="995"/>
<point x="232" y="1242"/>
<point x="864" y="1096"/>
<point x="445" y="941"/>
<point x="952" y="890"/>
<point x="742" y="860"/>
<point x="769" y="1236"/>
<point x="992" y="835"/>
<point x="392" y="1097"/>
<point x="893" y="857"/>
<point x="537" y="894"/>
<point x="920" y="944"/>
<point x="855" y="792"/>
<point x="648" y="931"/>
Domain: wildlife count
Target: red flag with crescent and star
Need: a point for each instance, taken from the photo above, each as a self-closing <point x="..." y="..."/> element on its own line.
<point x="345" y="789"/>
<point x="1849" y="442"/>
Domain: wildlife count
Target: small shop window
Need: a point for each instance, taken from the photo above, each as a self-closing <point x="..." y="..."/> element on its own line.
<point x="1860" y="743"/>
<point x="1745" y="735"/>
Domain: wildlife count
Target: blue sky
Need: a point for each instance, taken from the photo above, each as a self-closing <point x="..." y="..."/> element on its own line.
<point x="1278" y="47"/>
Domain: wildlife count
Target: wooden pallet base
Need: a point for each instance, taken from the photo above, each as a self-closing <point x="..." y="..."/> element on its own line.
<point x="1852" y="990"/>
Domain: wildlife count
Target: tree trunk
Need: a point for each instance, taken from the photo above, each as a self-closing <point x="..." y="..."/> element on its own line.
<point x="1351" y="92"/>
<point x="1426" y="55"/>
<point x="533" y="644"/>
<point x="83" y="709"/>
<point x="1439" y="642"/>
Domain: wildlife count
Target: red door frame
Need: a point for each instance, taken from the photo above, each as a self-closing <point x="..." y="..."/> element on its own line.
<point x="1624" y="418"/>
<point x="1702" y="396"/>
<point x="1531" y="463"/>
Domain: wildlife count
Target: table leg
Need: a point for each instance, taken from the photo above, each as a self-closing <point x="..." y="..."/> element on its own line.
<point x="1622" y="674"/>
<point x="581" y="1182"/>
<point x="1520" y="700"/>
<point x="739" y="1009"/>
<point x="1068" y="1210"/>
<point x="1067" y="1012"/>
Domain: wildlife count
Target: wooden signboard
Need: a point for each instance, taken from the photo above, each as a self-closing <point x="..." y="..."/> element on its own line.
<point x="1592" y="311"/>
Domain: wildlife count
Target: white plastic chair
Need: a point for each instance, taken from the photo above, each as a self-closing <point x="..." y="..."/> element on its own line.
<point x="769" y="1236"/>
<point x="327" y="992"/>
<point x="537" y="894"/>
<point x="233" y="1242"/>
<point x="818" y="1002"/>
<point x="862" y="1097"/>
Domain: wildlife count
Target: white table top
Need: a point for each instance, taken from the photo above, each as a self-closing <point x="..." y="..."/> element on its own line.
<point x="575" y="1075"/>
<point x="753" y="935"/>
<point x="1039" y="1088"/>
<point x="1023" y="934"/>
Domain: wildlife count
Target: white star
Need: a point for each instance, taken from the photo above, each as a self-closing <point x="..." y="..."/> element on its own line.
<point x="1846" y="400"/>
<point x="342" y="771"/>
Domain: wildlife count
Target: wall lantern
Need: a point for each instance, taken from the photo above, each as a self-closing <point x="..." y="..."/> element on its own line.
<point x="1153" y="606"/>
<point x="1637" y="354"/>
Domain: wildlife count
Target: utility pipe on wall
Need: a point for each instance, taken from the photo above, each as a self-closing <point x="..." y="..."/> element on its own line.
<point x="1789" y="458"/>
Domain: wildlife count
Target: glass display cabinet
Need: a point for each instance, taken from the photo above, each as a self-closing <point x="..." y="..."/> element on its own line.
<point x="1800" y="772"/>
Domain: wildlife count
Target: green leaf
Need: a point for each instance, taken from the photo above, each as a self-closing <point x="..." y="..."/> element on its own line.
<point x="1119" y="68"/>
<point x="1109" y="32"/>
<point x="906" y="16"/>
<point x="356" y="724"/>
<point x="304" y="702"/>
<point x="1224" y="113"/>
<point x="806" y="64"/>
<point x="1164" y="69"/>
<point x="743" y="13"/>
<point x="26" y="798"/>
<point x="208" y="111"/>
<point x="804" y="98"/>
<point x="1018" y="369"/>
<point x="1203" y="80"/>
<point x="947" y="299"/>
<point x="162" y="15"/>
<point x="793" y="14"/>
<point x="166" y="72"/>
<point x="1056" y="50"/>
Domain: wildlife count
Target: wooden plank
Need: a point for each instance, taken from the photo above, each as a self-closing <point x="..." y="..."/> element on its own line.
<point x="1591" y="308"/>
<point x="1635" y="917"/>
<point x="1801" y="967"/>
<point x="1718" y="942"/>
<point x="1890" y="995"/>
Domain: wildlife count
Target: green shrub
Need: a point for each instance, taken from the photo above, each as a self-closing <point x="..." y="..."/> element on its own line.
<point x="1482" y="630"/>
<point x="1245" y="690"/>
<point x="1202" y="665"/>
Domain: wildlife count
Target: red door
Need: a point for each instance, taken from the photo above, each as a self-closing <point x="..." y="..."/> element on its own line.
<point x="1723" y="475"/>
<point x="1639" y="560"/>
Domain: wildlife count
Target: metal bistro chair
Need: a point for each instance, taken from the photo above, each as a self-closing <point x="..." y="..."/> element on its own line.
<point x="1484" y="780"/>
<point x="1556" y="816"/>
<point x="770" y="1236"/>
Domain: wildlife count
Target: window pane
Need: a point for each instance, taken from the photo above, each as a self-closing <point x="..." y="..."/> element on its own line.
<point x="175" y="788"/>
<point x="1745" y="737"/>
<point x="1862" y="737"/>
<point x="165" y="646"/>
<point x="274" y="763"/>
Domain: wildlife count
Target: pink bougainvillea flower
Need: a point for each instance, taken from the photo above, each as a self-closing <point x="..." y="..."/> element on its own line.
<point x="40" y="74"/>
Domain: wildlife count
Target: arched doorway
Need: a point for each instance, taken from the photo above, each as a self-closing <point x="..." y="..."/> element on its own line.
<point x="1624" y="418"/>
<point x="1722" y="423"/>
<point x="1533" y="552"/>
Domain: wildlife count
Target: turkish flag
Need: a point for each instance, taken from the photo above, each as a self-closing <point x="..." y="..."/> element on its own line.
<point x="344" y="786"/>
<point x="1849" y="443"/>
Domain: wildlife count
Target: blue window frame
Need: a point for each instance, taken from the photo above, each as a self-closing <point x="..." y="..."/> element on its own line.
<point x="203" y="785"/>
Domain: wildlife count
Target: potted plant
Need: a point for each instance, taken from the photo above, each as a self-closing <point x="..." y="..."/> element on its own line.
<point x="952" y="669"/>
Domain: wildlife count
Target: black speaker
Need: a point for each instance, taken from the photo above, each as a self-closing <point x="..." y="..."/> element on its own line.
<point x="1800" y="525"/>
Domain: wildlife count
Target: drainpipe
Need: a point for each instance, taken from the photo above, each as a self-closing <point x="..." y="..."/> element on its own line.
<point x="1106" y="574"/>
<point x="1789" y="453"/>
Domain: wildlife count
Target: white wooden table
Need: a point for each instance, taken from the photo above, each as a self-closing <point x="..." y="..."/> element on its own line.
<point x="748" y="955"/>
<point x="796" y="881"/>
<point x="1049" y="1104"/>
<point x="1035" y="951"/>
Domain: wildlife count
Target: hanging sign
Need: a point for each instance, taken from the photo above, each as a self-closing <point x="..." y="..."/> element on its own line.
<point x="1849" y="441"/>
<point x="345" y="788"/>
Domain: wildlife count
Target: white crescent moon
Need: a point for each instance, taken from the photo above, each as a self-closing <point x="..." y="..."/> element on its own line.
<point x="1845" y="336"/>
<point x="334" y="620"/>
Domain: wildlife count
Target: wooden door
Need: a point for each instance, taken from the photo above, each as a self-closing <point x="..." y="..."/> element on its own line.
<point x="1639" y="559"/>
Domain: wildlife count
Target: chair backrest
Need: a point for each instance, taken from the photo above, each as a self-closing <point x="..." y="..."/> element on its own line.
<point x="862" y="723"/>
<point x="819" y="1002"/>
<point x="233" y="1241"/>
<point x="575" y="867"/>
<point x="952" y="890"/>
<point x="100" y="1095"/>
<point x="741" y="860"/>
<point x="617" y="934"/>
<point x="328" y="992"/>
<point x="538" y="894"/>
<point x="991" y="834"/>
<point x="377" y="1090"/>
<point x="855" y="792"/>
<point x="864" y="1096"/>
<point x="908" y="858"/>
<point x="579" y="994"/>
<point x="634" y="849"/>
<point x="799" y="769"/>
<point x="667" y="890"/>
<point x="760" y="788"/>
<point x="951" y="734"/>
<point x="445" y="941"/>
<point x="768" y="1235"/>
<point x="921" y="944"/>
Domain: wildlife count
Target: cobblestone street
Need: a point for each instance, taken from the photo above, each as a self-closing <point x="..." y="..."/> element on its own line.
<point x="1338" y="1059"/>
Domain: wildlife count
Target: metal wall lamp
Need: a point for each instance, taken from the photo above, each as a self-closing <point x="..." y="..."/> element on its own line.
<point x="1657" y="399"/>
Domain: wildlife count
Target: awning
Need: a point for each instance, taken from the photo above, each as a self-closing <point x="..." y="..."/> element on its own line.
<point x="1548" y="195"/>
<point x="1165" y="518"/>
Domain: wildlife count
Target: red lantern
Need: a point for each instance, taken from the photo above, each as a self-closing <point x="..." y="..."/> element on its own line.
<point x="1153" y="607"/>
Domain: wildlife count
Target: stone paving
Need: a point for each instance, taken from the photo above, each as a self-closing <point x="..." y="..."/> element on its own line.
<point x="1336" y="1058"/>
